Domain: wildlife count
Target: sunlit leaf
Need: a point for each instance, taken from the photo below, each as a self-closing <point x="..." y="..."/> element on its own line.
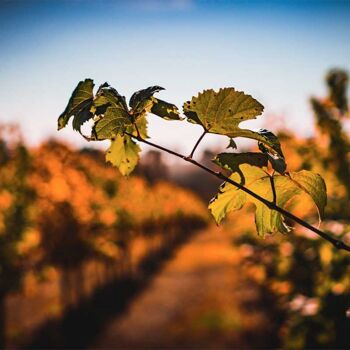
<point x="221" y="113"/>
<point x="115" y="121"/>
<point x="314" y="185"/>
<point x="79" y="105"/>
<point x="123" y="153"/>
<point x="141" y="124"/>
<point x="142" y="108"/>
<point x="257" y="180"/>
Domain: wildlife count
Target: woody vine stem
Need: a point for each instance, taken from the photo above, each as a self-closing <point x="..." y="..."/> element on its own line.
<point x="271" y="205"/>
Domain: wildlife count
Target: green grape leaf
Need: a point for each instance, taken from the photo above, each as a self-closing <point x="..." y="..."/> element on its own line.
<point x="142" y="108"/>
<point x="108" y="96"/>
<point x="115" y="121"/>
<point x="142" y="95"/>
<point x="143" y="102"/>
<point x="141" y="124"/>
<point x="78" y="105"/>
<point x="83" y="116"/>
<point x="165" y="110"/>
<point x="257" y="180"/>
<point x="221" y="113"/>
<point x="123" y="153"/>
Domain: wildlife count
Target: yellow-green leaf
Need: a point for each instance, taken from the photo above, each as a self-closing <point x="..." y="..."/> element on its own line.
<point x="221" y="113"/>
<point x="115" y="121"/>
<point x="141" y="124"/>
<point x="123" y="153"/>
<point x="257" y="180"/>
<point x="314" y="185"/>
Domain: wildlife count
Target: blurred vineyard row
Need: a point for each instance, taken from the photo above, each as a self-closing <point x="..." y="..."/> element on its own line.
<point x="67" y="218"/>
<point x="304" y="280"/>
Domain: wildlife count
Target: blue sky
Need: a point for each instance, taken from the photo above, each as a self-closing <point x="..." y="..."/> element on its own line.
<point x="278" y="51"/>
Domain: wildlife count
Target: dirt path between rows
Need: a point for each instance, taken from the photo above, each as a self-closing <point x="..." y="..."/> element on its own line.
<point x="199" y="300"/>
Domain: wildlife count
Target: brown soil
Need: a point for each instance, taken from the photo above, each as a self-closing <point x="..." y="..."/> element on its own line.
<point x="201" y="299"/>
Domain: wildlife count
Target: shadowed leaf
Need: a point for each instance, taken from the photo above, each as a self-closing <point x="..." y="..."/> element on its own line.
<point x="277" y="160"/>
<point x="165" y="110"/>
<point x="108" y="96"/>
<point x="232" y="161"/>
<point x="79" y="105"/>
<point x="83" y="116"/>
<point x="142" y="95"/>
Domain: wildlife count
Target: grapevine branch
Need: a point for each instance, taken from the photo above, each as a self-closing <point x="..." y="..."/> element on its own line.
<point x="271" y="205"/>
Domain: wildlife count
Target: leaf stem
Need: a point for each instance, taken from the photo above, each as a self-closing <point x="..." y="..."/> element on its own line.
<point x="137" y="131"/>
<point x="273" y="190"/>
<point x="337" y="243"/>
<point x="197" y="144"/>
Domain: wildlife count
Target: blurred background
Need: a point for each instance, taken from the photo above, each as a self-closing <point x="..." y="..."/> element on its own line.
<point x="89" y="259"/>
